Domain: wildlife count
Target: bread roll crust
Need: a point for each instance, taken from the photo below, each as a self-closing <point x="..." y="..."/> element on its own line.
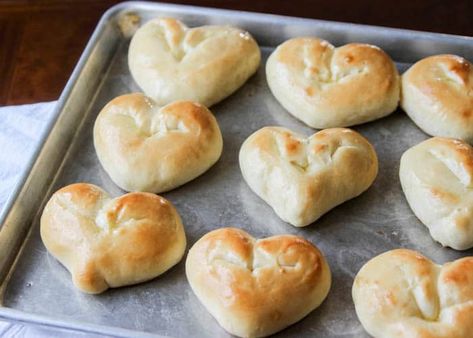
<point x="328" y="87"/>
<point x="144" y="147"/>
<point x="256" y="287"/>
<point x="205" y="64"/>
<point x="302" y="178"/>
<point x="401" y="293"/>
<point x="436" y="177"/>
<point x="437" y="94"/>
<point x="107" y="242"/>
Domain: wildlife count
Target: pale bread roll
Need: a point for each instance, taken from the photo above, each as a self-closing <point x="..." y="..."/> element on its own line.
<point x="437" y="94"/>
<point x="401" y="293"/>
<point x="205" y="64"/>
<point x="145" y="147"/>
<point x="256" y="287"/>
<point x="107" y="243"/>
<point x="437" y="179"/>
<point x="328" y="87"/>
<point x="303" y="178"/>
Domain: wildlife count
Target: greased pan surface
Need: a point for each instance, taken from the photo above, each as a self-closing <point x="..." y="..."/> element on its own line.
<point x="36" y="288"/>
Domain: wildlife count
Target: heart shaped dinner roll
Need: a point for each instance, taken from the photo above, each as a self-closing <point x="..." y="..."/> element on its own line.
<point x="329" y="87"/>
<point x="256" y="287"/>
<point x="302" y="178"/>
<point x="145" y="147"/>
<point x="205" y="64"/>
<point x="107" y="242"/>
<point x="401" y="293"/>
<point x="437" y="179"/>
<point x="437" y="94"/>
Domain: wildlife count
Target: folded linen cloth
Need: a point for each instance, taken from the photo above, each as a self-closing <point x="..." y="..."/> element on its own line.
<point x="21" y="128"/>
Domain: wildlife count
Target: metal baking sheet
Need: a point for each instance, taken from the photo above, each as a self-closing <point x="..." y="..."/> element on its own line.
<point x="36" y="288"/>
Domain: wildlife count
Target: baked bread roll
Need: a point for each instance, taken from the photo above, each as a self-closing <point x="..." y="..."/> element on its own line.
<point x="107" y="243"/>
<point x="205" y="64"/>
<point x="303" y="178"/>
<point x="327" y="87"/>
<point x="437" y="94"/>
<point x="437" y="179"/>
<point x="145" y="147"/>
<point x="401" y="293"/>
<point x="256" y="287"/>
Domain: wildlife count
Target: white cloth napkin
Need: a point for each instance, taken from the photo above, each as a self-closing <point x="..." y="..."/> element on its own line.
<point x="21" y="128"/>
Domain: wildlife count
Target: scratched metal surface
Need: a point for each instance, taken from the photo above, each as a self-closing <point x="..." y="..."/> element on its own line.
<point x="38" y="289"/>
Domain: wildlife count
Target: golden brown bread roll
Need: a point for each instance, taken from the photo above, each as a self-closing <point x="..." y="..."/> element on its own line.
<point x="437" y="94"/>
<point x="107" y="242"/>
<point x="328" y="87"/>
<point x="303" y="178"/>
<point x="145" y="147"/>
<point x="437" y="179"/>
<point x="256" y="287"/>
<point x="205" y="64"/>
<point x="401" y="293"/>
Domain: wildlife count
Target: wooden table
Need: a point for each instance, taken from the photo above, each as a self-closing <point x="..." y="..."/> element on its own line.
<point x="41" y="40"/>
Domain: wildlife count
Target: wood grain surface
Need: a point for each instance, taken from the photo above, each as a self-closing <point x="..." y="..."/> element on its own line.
<point x="41" y="40"/>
